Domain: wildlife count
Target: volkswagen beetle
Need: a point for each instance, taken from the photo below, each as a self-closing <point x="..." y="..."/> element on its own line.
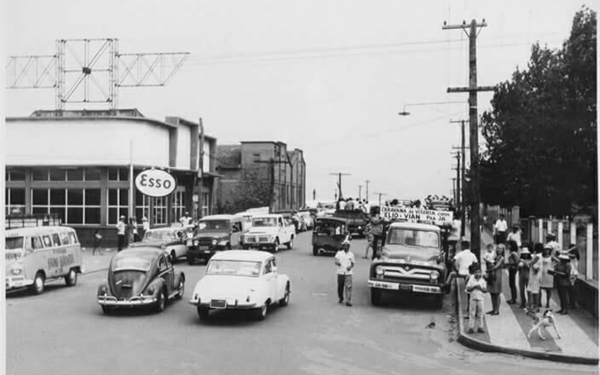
<point x="241" y="280"/>
<point x="140" y="277"/>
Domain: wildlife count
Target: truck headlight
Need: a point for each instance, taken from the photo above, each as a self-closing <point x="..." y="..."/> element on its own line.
<point x="16" y="270"/>
<point x="271" y="238"/>
<point x="434" y="276"/>
<point x="214" y="241"/>
<point x="196" y="242"/>
<point x="379" y="272"/>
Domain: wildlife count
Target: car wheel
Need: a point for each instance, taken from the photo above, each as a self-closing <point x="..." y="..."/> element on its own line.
<point x="38" y="283"/>
<point x="106" y="310"/>
<point x="286" y="296"/>
<point x="180" y="288"/>
<point x="161" y="301"/>
<point x="261" y="313"/>
<point x="173" y="257"/>
<point x="190" y="260"/>
<point x="228" y="246"/>
<point x="290" y="244"/>
<point x="315" y="250"/>
<point x="276" y="249"/>
<point x="71" y="278"/>
<point x="375" y="297"/>
<point x="439" y="301"/>
<point x="245" y="247"/>
<point x="203" y="312"/>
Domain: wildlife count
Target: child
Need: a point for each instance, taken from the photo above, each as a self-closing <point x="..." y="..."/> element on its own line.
<point x="523" y="268"/>
<point x="476" y="286"/>
<point x="489" y="258"/>
<point x="97" y="241"/>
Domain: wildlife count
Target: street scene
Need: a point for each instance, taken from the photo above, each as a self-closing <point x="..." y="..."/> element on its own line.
<point x="325" y="187"/>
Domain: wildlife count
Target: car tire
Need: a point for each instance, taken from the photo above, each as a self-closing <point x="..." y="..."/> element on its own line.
<point x="161" y="302"/>
<point x="276" y="248"/>
<point x="438" y="301"/>
<point x="106" y="310"/>
<point x="180" y="288"/>
<point x="38" y="283"/>
<point x="173" y="256"/>
<point x="315" y="250"/>
<point x="190" y="260"/>
<point x="228" y="246"/>
<point x="290" y="244"/>
<point x="376" y="297"/>
<point x="203" y="312"/>
<point x="286" y="296"/>
<point x="261" y="313"/>
<point x="71" y="278"/>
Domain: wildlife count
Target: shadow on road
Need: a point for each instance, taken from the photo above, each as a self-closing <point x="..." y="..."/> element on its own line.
<point x="234" y="318"/>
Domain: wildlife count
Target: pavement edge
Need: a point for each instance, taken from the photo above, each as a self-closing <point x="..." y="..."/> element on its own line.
<point x="482" y="346"/>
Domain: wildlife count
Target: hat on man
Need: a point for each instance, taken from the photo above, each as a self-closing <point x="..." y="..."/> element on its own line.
<point x="550" y="236"/>
<point x="564" y="256"/>
<point x="122" y="217"/>
<point x="525" y="250"/>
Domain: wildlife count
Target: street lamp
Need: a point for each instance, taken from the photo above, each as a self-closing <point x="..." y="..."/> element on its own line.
<point x="406" y="113"/>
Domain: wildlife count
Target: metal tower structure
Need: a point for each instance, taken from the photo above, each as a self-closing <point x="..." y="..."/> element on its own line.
<point x="88" y="71"/>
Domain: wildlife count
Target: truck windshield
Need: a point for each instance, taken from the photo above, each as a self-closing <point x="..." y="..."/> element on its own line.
<point x="264" y="222"/>
<point x="411" y="237"/>
<point x="13" y="243"/>
<point x="215" y="225"/>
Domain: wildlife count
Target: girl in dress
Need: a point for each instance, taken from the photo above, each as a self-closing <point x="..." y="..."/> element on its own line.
<point x="547" y="282"/>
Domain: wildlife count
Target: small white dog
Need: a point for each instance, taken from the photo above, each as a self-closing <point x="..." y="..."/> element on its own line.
<point x="541" y="323"/>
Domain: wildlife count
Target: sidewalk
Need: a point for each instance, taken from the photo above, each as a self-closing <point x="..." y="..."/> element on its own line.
<point x="96" y="263"/>
<point x="507" y="332"/>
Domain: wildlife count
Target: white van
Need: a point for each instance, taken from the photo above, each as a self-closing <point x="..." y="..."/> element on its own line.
<point x="36" y="254"/>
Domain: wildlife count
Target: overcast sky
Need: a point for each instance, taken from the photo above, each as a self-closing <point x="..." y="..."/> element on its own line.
<point x="327" y="77"/>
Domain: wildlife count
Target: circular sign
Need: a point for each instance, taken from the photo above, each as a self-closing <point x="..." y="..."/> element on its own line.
<point x="155" y="183"/>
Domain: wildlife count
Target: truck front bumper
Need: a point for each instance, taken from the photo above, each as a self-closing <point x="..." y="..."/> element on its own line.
<point x="406" y="286"/>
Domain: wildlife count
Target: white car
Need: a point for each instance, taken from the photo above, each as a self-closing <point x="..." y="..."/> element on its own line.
<point x="269" y="232"/>
<point x="241" y="280"/>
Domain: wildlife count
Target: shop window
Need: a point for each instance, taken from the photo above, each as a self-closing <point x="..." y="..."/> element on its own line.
<point x="75" y="174"/>
<point x="142" y="206"/>
<point x="71" y="205"/>
<point x="39" y="197"/>
<point x="178" y="204"/>
<point x="75" y="197"/>
<point x="75" y="215"/>
<point x="205" y="204"/>
<point x="118" y="201"/>
<point x="159" y="213"/>
<point x="40" y="174"/>
<point x="15" y="201"/>
<point x="57" y="197"/>
<point x="92" y="197"/>
<point x="57" y="174"/>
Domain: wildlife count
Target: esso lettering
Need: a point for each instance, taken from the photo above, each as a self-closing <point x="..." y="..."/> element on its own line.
<point x="155" y="183"/>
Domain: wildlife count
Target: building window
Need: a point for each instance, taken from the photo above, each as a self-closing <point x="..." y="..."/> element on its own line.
<point x="40" y="174"/>
<point x="92" y="174"/>
<point x="159" y="213"/>
<point x="15" y="201"/>
<point x="15" y="175"/>
<point x="73" y="206"/>
<point x="118" y="204"/>
<point x="142" y="206"/>
<point x="205" y="204"/>
<point x="178" y="204"/>
<point x="118" y="174"/>
<point x="75" y="174"/>
<point x="57" y="174"/>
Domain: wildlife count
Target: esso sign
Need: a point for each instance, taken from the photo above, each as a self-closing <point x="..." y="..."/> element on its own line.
<point x="155" y="183"/>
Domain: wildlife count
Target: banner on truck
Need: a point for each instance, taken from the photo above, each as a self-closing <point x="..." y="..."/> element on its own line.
<point x="416" y="214"/>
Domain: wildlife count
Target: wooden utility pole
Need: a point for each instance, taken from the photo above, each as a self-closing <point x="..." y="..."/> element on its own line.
<point x="359" y="191"/>
<point x="339" y="174"/>
<point x="367" y="190"/>
<point x="473" y="128"/>
<point x="463" y="211"/>
<point x="380" y="194"/>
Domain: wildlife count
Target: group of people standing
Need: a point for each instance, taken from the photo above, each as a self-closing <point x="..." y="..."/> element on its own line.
<point x="351" y="204"/>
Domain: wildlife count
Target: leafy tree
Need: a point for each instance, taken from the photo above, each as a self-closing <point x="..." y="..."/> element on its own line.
<point x="541" y="131"/>
<point x="253" y="191"/>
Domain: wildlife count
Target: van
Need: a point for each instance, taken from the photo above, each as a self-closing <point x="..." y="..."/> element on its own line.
<point x="37" y="254"/>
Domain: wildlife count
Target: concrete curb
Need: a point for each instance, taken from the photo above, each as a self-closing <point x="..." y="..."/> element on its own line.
<point x="483" y="346"/>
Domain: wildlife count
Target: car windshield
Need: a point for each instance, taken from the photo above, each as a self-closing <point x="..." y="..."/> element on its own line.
<point x="264" y="222"/>
<point x="214" y="225"/>
<point x="158" y="235"/>
<point x="234" y="268"/>
<point x="132" y="264"/>
<point x="411" y="237"/>
<point x="13" y="243"/>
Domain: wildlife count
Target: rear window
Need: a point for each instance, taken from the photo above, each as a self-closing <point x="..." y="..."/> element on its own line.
<point x="132" y="264"/>
<point x="13" y="243"/>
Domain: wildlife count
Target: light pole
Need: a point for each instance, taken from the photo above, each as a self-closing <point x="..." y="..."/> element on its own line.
<point x="406" y="113"/>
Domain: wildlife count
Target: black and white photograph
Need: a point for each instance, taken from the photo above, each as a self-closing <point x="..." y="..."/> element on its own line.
<point x="317" y="187"/>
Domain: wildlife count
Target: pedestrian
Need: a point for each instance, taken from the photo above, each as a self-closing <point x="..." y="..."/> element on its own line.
<point x="535" y="278"/>
<point x="562" y="274"/>
<point x="464" y="262"/>
<point x="547" y="282"/>
<point x="341" y="204"/>
<point x="495" y="287"/>
<point x="512" y="261"/>
<point x="136" y="235"/>
<point x="500" y="229"/>
<point x="369" y="236"/>
<point x="574" y="255"/>
<point x="344" y="260"/>
<point x="489" y="258"/>
<point x="376" y="222"/>
<point x="515" y="235"/>
<point x="97" y="242"/>
<point x="186" y="219"/>
<point x="523" y="268"/>
<point x="121" y="233"/>
<point x="476" y="287"/>
<point x="554" y="245"/>
<point x="130" y="233"/>
<point x="349" y="204"/>
<point x="145" y="225"/>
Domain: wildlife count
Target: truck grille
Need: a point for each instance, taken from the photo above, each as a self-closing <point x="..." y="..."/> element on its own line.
<point x="405" y="272"/>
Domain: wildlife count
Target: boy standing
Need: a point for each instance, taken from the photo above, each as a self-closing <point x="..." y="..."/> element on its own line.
<point x="476" y="286"/>
<point x="344" y="259"/>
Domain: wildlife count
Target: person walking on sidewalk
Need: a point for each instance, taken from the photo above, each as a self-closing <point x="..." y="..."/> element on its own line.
<point x="562" y="274"/>
<point x="464" y="262"/>
<point x="495" y="288"/>
<point x="535" y="278"/>
<point x="476" y="287"/>
<point x="97" y="242"/>
<point x="574" y="255"/>
<point x="369" y="236"/>
<point x="344" y="259"/>
<point x="500" y="230"/>
<point x="121" y="233"/>
<point x="511" y="265"/>
<point x="547" y="282"/>
<point x="523" y="268"/>
<point x="515" y="235"/>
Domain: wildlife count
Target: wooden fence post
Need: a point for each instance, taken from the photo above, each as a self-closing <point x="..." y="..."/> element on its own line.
<point x="541" y="231"/>
<point x="589" y="254"/>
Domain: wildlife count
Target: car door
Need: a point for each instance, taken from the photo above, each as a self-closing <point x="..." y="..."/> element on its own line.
<point x="270" y="279"/>
<point x="165" y="270"/>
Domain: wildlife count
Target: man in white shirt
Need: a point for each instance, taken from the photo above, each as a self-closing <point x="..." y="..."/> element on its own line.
<point x="553" y="244"/>
<point x="121" y="233"/>
<point x="500" y="230"/>
<point x="186" y="219"/>
<point x="344" y="260"/>
<point x="515" y="235"/>
<point x="464" y="259"/>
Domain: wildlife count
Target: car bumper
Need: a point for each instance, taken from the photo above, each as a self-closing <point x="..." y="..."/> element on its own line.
<point x="259" y="245"/>
<point x="201" y="252"/>
<point x="17" y="282"/>
<point x="228" y="306"/>
<point x="406" y="287"/>
<point x="132" y="302"/>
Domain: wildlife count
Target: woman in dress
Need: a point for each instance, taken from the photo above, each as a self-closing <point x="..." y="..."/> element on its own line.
<point x="495" y="288"/>
<point x="547" y="282"/>
<point x="535" y="278"/>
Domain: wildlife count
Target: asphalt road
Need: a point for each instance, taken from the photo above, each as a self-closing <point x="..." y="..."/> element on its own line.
<point x="63" y="331"/>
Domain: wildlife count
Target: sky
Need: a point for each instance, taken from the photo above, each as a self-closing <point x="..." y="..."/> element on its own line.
<point x="328" y="77"/>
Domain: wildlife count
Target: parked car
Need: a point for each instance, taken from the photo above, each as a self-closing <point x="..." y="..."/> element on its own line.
<point x="140" y="277"/>
<point x="307" y="219"/>
<point x="241" y="280"/>
<point x="269" y="232"/>
<point x="173" y="240"/>
<point x="328" y="235"/>
<point x="215" y="233"/>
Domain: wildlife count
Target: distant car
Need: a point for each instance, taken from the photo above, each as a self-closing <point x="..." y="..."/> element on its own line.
<point x="269" y="232"/>
<point x="241" y="280"/>
<point x="173" y="240"/>
<point x="140" y="277"/>
<point x="307" y="218"/>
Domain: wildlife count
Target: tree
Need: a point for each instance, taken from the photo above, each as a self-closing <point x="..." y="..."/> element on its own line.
<point x="541" y="132"/>
<point x="252" y="191"/>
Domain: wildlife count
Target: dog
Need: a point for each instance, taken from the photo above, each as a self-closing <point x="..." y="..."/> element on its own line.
<point x="542" y="322"/>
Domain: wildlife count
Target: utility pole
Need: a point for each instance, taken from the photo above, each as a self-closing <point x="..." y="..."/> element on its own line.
<point x="457" y="179"/>
<point x="473" y="128"/>
<point x="359" y="191"/>
<point x="380" y="194"/>
<point x="462" y="179"/>
<point x="367" y="190"/>
<point x="454" y="187"/>
<point x="339" y="174"/>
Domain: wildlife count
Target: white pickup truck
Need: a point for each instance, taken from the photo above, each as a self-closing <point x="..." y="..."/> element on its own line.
<point x="269" y="232"/>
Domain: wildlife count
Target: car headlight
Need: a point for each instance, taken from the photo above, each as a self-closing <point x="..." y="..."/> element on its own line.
<point x="379" y="271"/>
<point x="16" y="270"/>
<point x="162" y="246"/>
<point x="271" y="238"/>
<point x="214" y="241"/>
<point x="103" y="289"/>
<point x="196" y="242"/>
<point x="150" y="291"/>
<point x="434" y="276"/>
